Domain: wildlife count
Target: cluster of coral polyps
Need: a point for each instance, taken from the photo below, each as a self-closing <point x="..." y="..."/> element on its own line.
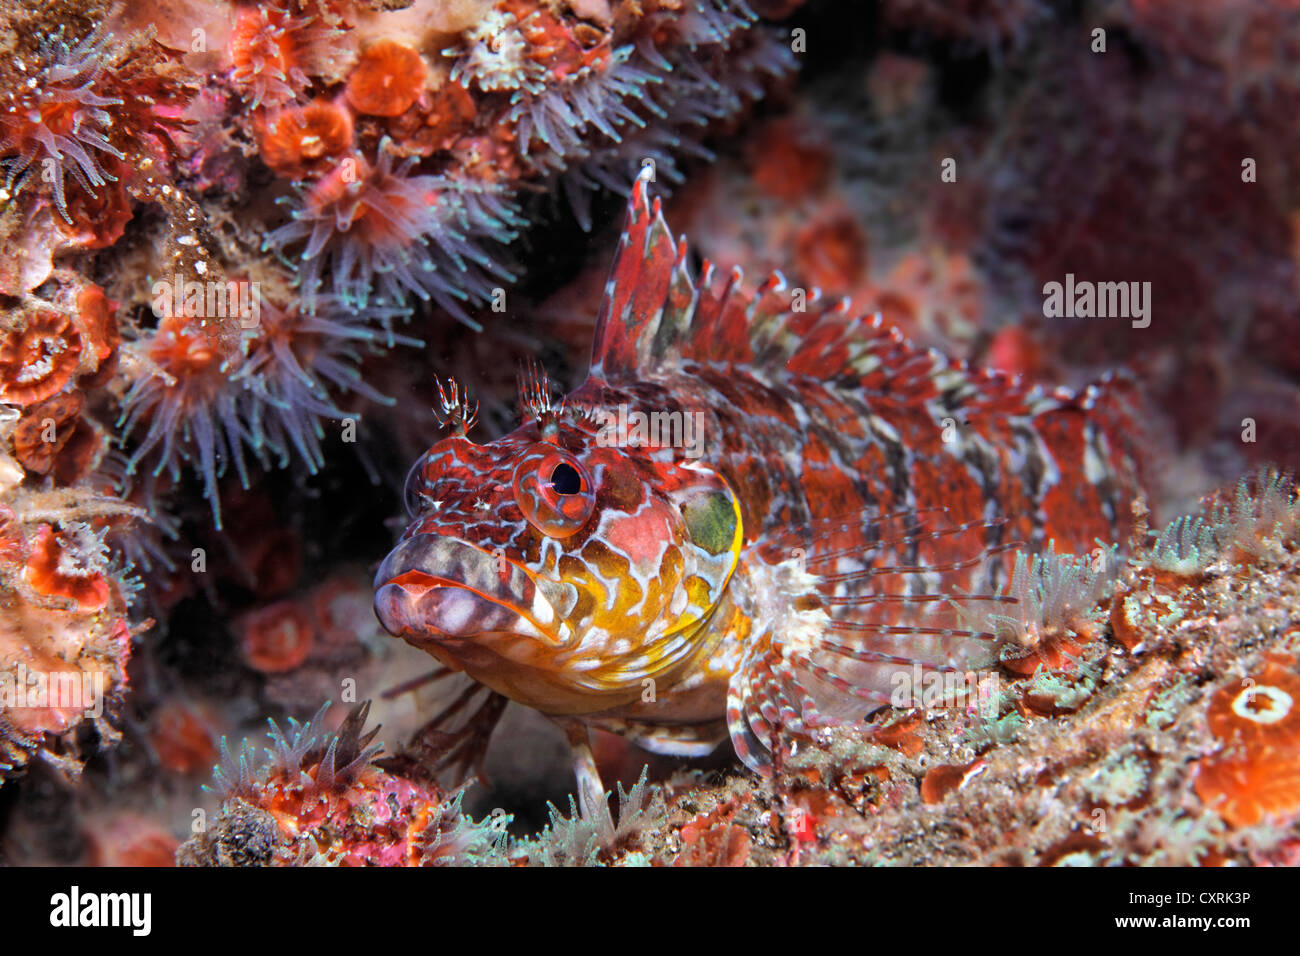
<point x="65" y="639"/>
<point x="319" y="798"/>
<point x="284" y="179"/>
<point x="212" y="212"/>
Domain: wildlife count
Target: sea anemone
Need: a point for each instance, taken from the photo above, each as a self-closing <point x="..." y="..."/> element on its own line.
<point x="708" y="22"/>
<point x="1263" y="513"/>
<point x="276" y="51"/>
<point x="53" y="433"/>
<point x="376" y="225"/>
<point x="1186" y="547"/>
<point x="270" y="399"/>
<point x="387" y="80"/>
<point x="1257" y="774"/>
<point x="340" y="756"/>
<point x="319" y="797"/>
<point x="645" y="105"/>
<point x="707" y="83"/>
<point x="584" y="839"/>
<point x="55" y="120"/>
<point x="1260" y="710"/>
<point x="297" y="358"/>
<point x="72" y="563"/>
<point x="184" y="397"/>
<point x="552" y="126"/>
<point x="1054" y="607"/>
<point x="335" y="759"/>
<point x="495" y="57"/>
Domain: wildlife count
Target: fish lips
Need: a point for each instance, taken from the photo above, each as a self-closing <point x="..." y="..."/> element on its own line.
<point x="433" y="588"/>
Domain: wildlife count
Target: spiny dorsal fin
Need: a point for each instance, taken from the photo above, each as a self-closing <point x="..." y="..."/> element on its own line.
<point x="649" y="296"/>
<point x="655" y="314"/>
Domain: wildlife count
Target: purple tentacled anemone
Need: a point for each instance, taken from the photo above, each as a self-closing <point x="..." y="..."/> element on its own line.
<point x="601" y="98"/>
<point x="55" y="119"/>
<point x="381" y="229"/>
<point x="277" y="47"/>
<point x="721" y="63"/>
<point x="270" y="398"/>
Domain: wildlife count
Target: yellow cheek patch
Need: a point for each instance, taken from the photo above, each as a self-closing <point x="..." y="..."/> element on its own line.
<point x="698" y="591"/>
<point x="714" y="517"/>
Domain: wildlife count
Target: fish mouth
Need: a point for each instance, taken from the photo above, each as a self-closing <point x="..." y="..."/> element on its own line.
<point x="434" y="589"/>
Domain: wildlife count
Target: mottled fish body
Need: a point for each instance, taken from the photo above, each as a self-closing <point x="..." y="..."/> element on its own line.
<point x="753" y="515"/>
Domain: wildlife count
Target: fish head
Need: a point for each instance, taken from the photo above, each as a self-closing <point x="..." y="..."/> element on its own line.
<point x="556" y="568"/>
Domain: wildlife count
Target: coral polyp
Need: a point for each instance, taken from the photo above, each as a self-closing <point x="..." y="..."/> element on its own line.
<point x="268" y="400"/>
<point x="276" y="639"/>
<point x="495" y="56"/>
<point x="277" y="46"/>
<point x="383" y="230"/>
<point x="299" y="360"/>
<point x="1048" y="609"/>
<point x="552" y="127"/>
<point x="319" y="798"/>
<point x="38" y="360"/>
<point x="298" y="139"/>
<point x="185" y="404"/>
<point x="387" y="80"/>
<point x="70" y="564"/>
<point x="53" y="123"/>
<point x="1257" y="773"/>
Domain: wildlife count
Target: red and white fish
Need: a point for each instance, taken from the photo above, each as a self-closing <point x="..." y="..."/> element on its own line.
<point x="751" y="516"/>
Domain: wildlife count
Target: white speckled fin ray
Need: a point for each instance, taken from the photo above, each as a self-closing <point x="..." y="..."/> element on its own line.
<point x="830" y="650"/>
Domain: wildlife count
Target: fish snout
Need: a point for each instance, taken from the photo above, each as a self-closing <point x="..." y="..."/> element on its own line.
<point x="432" y="586"/>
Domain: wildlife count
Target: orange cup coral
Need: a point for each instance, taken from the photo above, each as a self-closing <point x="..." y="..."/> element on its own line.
<point x="387" y="80"/>
<point x="37" y="361"/>
<point x="1257" y="774"/>
<point x="294" y="141"/>
<point x="277" y="639"/>
<point x="70" y="564"/>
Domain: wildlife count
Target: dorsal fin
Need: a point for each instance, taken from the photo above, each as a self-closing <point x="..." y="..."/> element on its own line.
<point x="655" y="314"/>
<point x="649" y="296"/>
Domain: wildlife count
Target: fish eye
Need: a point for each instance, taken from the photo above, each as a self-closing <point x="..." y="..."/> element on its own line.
<point x="565" y="479"/>
<point x="553" y="491"/>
